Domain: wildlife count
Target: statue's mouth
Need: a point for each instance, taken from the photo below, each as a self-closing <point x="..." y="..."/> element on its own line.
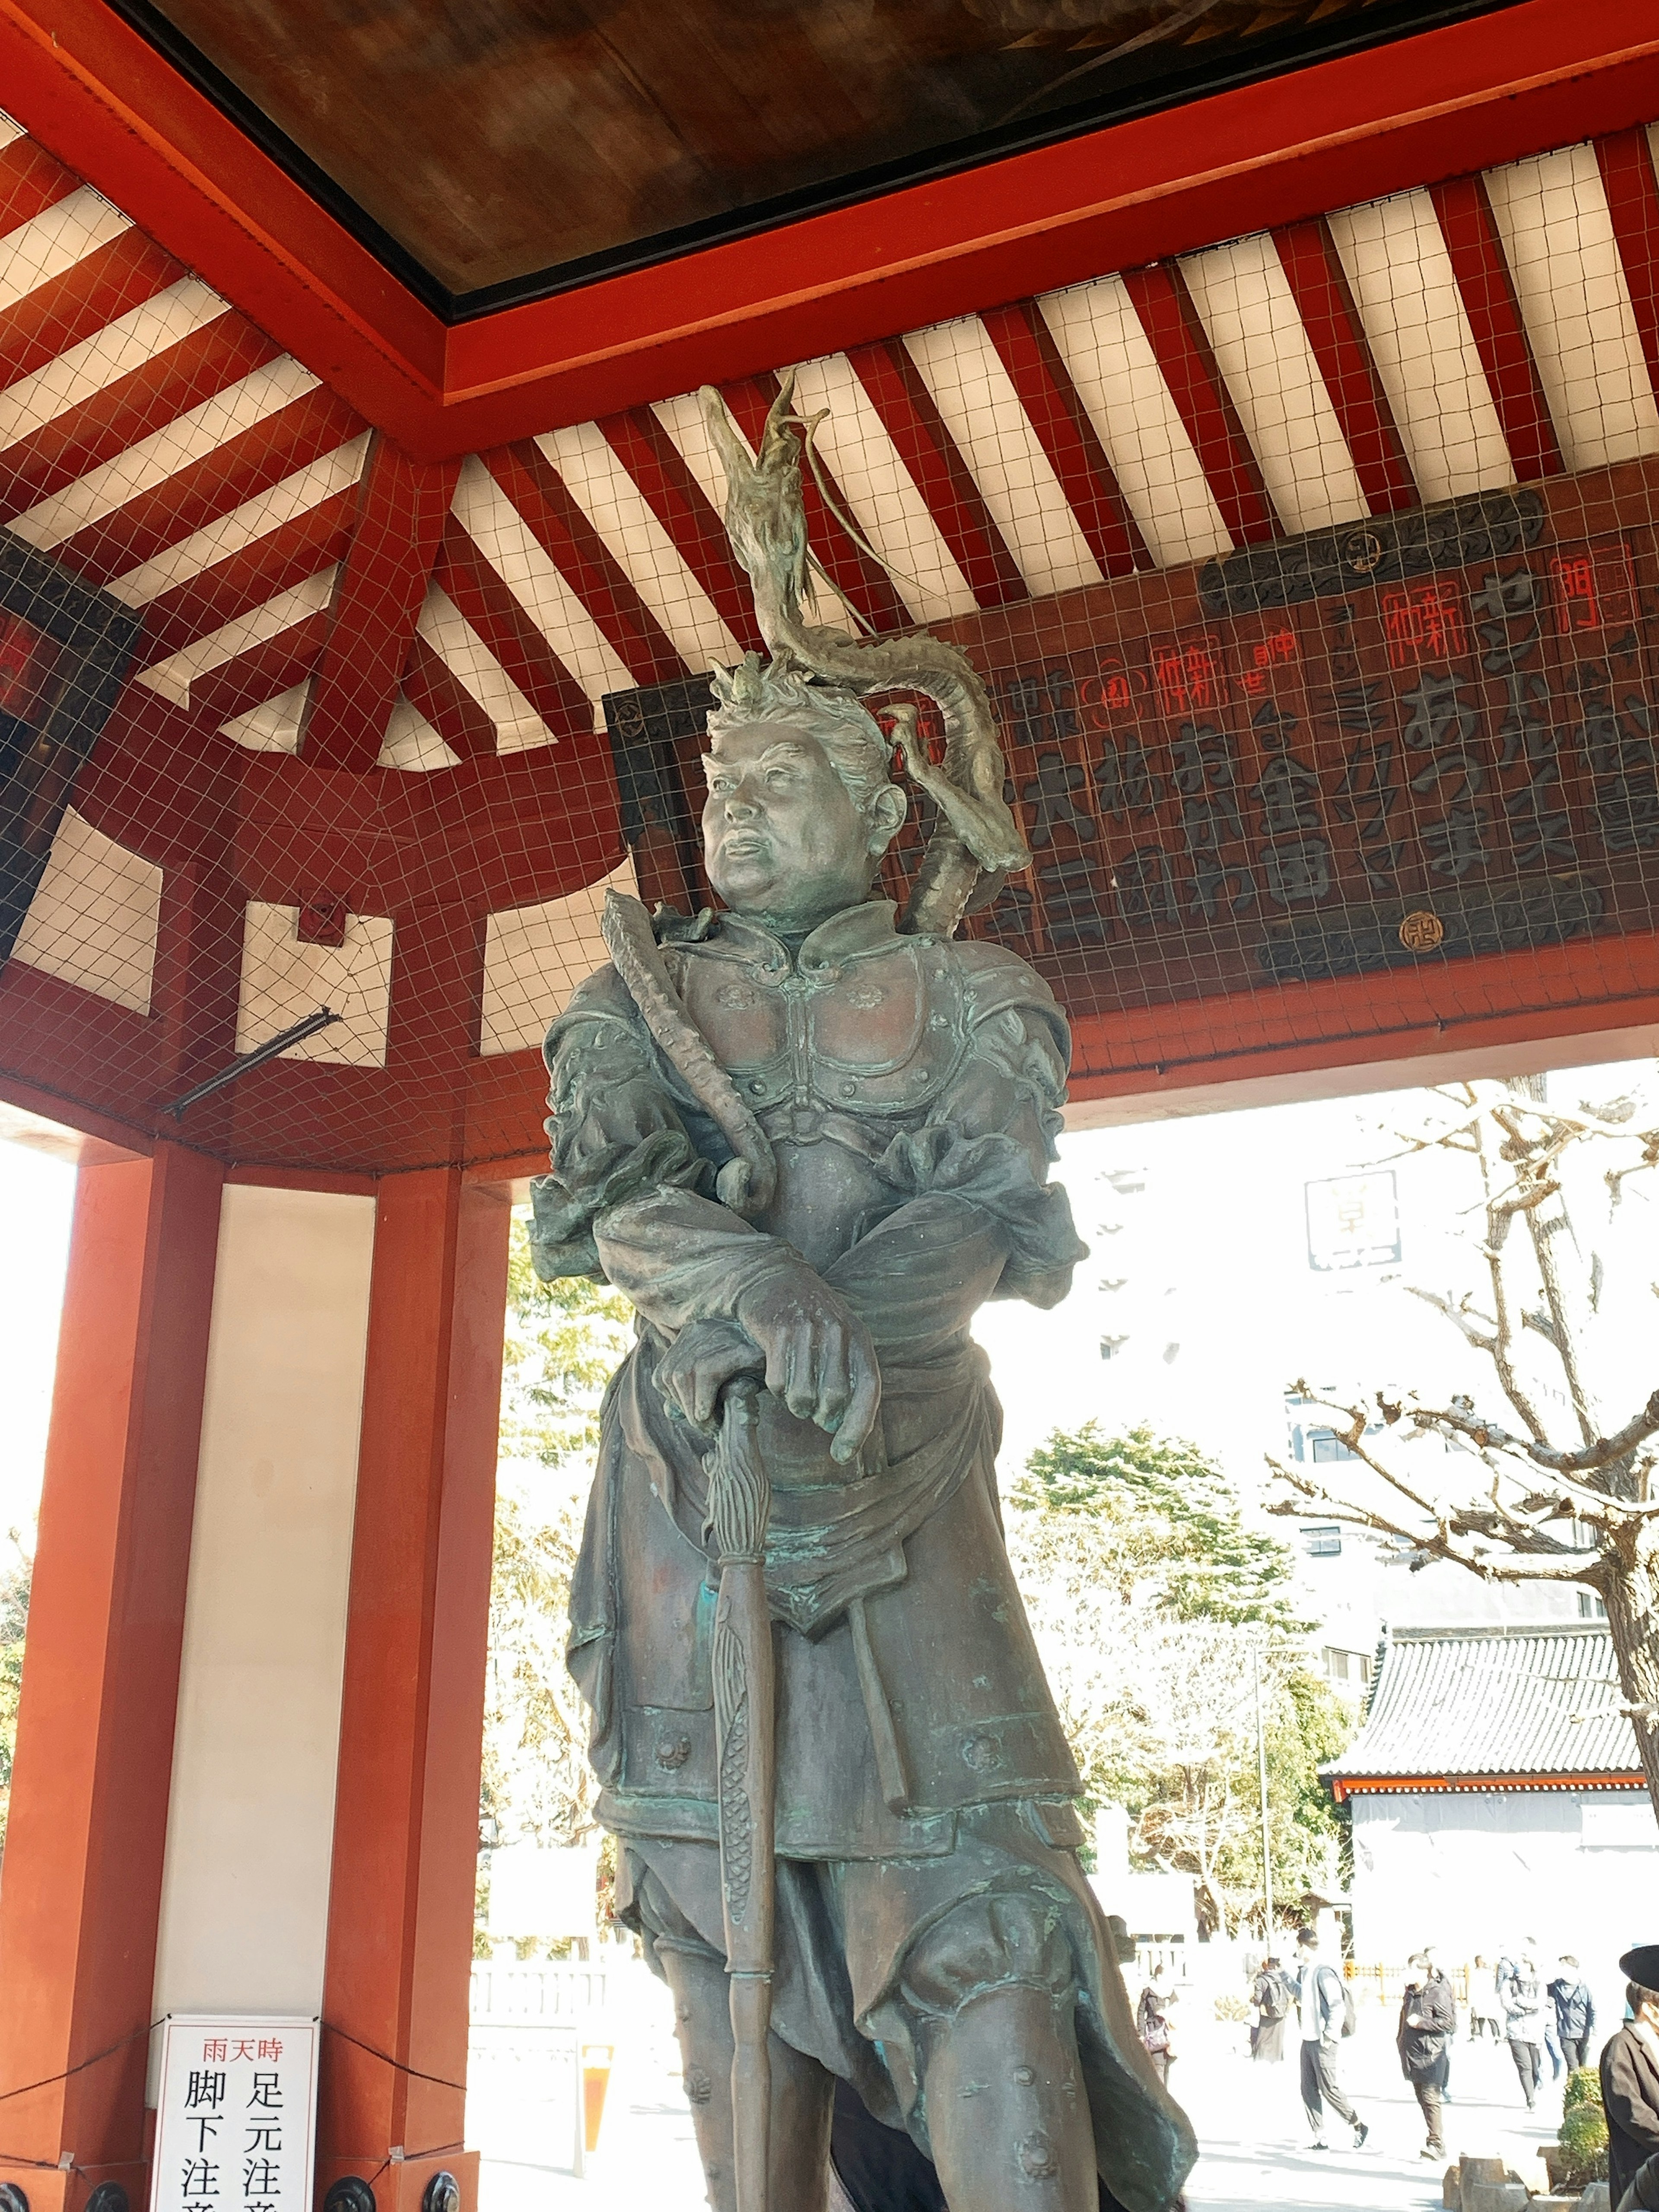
<point x="743" y="845"/>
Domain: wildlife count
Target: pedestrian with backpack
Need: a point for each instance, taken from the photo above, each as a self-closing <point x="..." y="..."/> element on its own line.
<point x="1271" y="1995"/>
<point x="1325" y="2015"/>
<point x="1428" y="2025"/>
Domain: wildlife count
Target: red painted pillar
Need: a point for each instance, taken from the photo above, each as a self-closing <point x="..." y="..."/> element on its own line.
<point x="406" y="1830"/>
<point x="81" y="1893"/>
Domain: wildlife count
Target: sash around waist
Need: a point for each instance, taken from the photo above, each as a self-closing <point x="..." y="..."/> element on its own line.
<point x="829" y="1541"/>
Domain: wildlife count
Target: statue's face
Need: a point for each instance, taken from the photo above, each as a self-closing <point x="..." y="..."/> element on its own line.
<point x="780" y="834"/>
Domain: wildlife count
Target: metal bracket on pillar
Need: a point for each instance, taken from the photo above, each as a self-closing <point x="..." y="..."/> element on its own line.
<point x="351" y="2193"/>
<point x="442" y="2194"/>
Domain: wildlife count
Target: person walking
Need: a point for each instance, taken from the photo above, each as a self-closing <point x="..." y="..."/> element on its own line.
<point x="1155" y="2021"/>
<point x="1323" y="2015"/>
<point x="1630" y="2074"/>
<point x="1524" y="2013"/>
<point x="1485" y="2014"/>
<point x="1575" y="2013"/>
<point x="1271" y="1995"/>
<point x="1428" y="2027"/>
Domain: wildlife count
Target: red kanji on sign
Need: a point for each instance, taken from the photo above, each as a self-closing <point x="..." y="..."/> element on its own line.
<point x="1188" y="676"/>
<point x="1573" y="575"/>
<point x="1424" y="623"/>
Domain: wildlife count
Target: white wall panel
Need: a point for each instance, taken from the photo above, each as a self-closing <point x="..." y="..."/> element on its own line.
<point x="535" y="956"/>
<point x="251" y="1821"/>
<point x="189" y="437"/>
<point x="94" y="916"/>
<point x="125" y="345"/>
<point x="469" y="660"/>
<point x="255" y="518"/>
<point x="880" y="492"/>
<point x="1111" y="362"/>
<point x="173" y="676"/>
<point x="1412" y="311"/>
<point x="618" y="510"/>
<point x="1261" y="348"/>
<point x="1551" y="214"/>
<point x="977" y="402"/>
<point x="282" y="980"/>
<point x="512" y="550"/>
<point x="55" y="239"/>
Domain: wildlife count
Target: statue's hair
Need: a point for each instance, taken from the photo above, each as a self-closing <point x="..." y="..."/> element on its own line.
<point x="775" y="692"/>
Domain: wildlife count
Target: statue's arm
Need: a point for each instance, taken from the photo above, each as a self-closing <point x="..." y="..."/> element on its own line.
<point x="988" y="1143"/>
<point x="627" y="1198"/>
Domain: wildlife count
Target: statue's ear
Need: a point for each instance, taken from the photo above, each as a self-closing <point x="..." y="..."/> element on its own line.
<point x="887" y="811"/>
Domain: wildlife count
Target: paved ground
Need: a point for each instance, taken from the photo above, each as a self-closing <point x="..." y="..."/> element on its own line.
<point x="1248" y="2119"/>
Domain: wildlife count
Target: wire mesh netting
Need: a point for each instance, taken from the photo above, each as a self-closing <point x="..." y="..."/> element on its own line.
<point x="1314" y="576"/>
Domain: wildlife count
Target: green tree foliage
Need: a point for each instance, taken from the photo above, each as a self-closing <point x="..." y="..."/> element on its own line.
<point x="13" y="1620"/>
<point x="1151" y="1597"/>
<point x="563" y="1341"/>
<point x="1165" y="1527"/>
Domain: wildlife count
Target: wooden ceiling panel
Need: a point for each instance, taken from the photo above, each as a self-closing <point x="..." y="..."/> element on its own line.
<point x="505" y="148"/>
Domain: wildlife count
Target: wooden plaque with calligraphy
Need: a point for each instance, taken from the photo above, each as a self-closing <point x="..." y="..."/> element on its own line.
<point x="1413" y="744"/>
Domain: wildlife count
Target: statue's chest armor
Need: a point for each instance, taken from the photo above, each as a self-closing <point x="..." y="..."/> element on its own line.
<point x="881" y="1033"/>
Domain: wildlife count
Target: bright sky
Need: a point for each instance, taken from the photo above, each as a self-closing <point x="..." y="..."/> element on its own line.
<point x="36" y="1194"/>
<point x="1217" y="1311"/>
<point x="1220" y="1309"/>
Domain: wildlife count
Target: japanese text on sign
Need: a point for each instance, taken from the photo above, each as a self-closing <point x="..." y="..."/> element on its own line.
<point x="236" y="2115"/>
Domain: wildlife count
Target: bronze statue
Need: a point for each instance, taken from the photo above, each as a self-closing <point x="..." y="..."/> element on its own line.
<point x="809" y="1140"/>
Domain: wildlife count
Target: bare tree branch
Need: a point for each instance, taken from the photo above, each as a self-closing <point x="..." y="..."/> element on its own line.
<point x="1600" y="1452"/>
<point x="1442" y="1542"/>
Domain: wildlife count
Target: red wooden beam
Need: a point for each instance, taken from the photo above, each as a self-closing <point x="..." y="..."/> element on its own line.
<point x="106" y="283"/>
<point x="1319" y="285"/>
<point x="1026" y="348"/>
<point x="1178" y="339"/>
<point x="433" y="687"/>
<point x="264" y="672"/>
<point x="88" y="1816"/>
<point x="295" y="435"/>
<point x="30" y="183"/>
<point x="402" y="506"/>
<point x="586" y="562"/>
<point x="865" y="584"/>
<point x="493" y="608"/>
<point x="1626" y="165"/>
<point x="1488" y="294"/>
<point x="899" y="394"/>
<point x="406" y="1858"/>
<point x="248" y="578"/>
<point x="680" y="504"/>
<point x="148" y="397"/>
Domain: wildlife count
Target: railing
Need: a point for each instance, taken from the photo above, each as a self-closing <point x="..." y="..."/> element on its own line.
<point x="533" y="1994"/>
<point x="1389" y="1982"/>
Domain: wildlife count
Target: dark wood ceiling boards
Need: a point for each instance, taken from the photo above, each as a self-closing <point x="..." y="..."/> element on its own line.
<point x="491" y="150"/>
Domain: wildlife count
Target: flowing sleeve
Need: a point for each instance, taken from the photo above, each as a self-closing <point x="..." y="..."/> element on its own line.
<point x="989" y="1142"/>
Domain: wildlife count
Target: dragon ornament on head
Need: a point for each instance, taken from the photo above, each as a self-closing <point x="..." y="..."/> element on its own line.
<point x="976" y="844"/>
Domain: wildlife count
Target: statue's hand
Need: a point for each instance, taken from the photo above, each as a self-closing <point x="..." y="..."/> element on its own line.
<point x="819" y="1358"/>
<point x="702" y="1359"/>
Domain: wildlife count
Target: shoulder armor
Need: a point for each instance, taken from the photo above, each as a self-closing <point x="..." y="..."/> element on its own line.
<point x="602" y="997"/>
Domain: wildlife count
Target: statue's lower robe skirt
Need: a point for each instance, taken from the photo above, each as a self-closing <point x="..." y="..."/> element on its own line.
<point x="870" y="1952"/>
<point x="925" y="1813"/>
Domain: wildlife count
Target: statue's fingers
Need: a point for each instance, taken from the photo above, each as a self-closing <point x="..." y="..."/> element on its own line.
<point x="800" y="1390"/>
<point x="862" y="1408"/>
